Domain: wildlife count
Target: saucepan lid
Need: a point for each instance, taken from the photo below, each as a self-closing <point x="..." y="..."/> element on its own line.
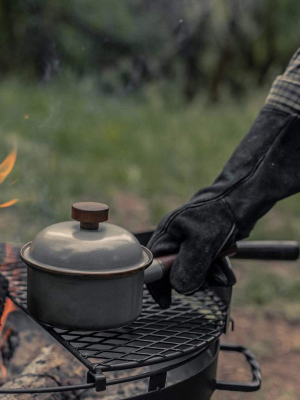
<point x="92" y="247"/>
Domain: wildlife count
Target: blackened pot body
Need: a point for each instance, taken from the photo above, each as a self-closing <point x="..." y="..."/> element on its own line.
<point x="84" y="303"/>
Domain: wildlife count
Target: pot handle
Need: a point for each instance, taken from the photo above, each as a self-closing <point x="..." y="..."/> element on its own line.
<point x="166" y="262"/>
<point x="161" y="266"/>
<point x="252" y="386"/>
<point x="251" y="250"/>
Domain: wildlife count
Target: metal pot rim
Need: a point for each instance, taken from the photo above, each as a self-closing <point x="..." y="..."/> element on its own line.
<point x="148" y="257"/>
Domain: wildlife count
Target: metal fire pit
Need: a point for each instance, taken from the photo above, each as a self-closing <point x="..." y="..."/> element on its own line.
<point x="186" y="335"/>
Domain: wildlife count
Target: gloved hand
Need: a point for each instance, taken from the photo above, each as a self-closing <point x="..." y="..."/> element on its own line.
<point x="264" y="169"/>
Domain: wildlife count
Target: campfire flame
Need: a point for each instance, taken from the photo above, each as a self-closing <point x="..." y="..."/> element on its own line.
<point x="8" y="203"/>
<point x="8" y="308"/>
<point x="5" y="168"/>
<point x="3" y="368"/>
<point x="9" y="305"/>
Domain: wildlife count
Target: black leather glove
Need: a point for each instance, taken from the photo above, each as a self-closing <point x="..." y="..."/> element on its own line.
<point x="264" y="169"/>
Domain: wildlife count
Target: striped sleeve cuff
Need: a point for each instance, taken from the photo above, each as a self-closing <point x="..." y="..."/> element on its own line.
<point x="285" y="94"/>
<point x="285" y="91"/>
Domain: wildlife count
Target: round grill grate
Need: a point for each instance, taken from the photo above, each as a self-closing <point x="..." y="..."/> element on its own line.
<point x="190" y="324"/>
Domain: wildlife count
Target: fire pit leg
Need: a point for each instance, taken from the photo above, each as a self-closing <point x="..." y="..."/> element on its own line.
<point x="157" y="382"/>
<point x="97" y="378"/>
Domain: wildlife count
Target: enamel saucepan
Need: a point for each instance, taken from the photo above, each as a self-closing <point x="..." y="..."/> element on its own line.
<point x="90" y="275"/>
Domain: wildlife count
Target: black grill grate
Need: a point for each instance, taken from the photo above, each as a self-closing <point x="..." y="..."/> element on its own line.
<point x="191" y="324"/>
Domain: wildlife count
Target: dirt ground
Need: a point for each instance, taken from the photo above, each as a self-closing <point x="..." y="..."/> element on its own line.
<point x="276" y="343"/>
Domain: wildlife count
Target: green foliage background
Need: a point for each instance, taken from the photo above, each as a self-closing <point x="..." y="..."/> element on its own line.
<point x="113" y="99"/>
<point x="202" y="45"/>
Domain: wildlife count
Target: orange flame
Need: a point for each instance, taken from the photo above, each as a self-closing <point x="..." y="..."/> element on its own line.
<point x="9" y="305"/>
<point x="7" y="165"/>
<point x="8" y="203"/>
<point x="3" y="373"/>
<point x="3" y="368"/>
<point x="5" y="168"/>
<point x="8" y="308"/>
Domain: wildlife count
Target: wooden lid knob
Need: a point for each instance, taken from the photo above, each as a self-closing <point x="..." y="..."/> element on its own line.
<point x="89" y="214"/>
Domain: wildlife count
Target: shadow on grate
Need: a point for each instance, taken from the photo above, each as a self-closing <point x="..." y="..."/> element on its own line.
<point x="191" y="324"/>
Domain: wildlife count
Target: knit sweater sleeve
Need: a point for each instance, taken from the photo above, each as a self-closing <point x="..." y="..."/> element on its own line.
<point x="285" y="91"/>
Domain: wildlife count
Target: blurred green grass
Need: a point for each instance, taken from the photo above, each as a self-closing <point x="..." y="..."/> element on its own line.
<point x="265" y="287"/>
<point x="144" y="153"/>
<point x="268" y="289"/>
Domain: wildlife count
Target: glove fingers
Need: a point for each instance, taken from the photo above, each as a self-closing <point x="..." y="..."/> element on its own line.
<point x="161" y="292"/>
<point x="196" y="251"/>
<point x="189" y="269"/>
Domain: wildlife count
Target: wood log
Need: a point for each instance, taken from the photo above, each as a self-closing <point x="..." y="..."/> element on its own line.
<point x="29" y="346"/>
<point x="52" y="368"/>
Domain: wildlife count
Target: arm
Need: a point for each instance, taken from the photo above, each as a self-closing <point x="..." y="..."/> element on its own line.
<point x="264" y="168"/>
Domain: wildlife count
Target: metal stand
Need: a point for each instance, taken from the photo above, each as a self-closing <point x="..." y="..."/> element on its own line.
<point x="182" y="338"/>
